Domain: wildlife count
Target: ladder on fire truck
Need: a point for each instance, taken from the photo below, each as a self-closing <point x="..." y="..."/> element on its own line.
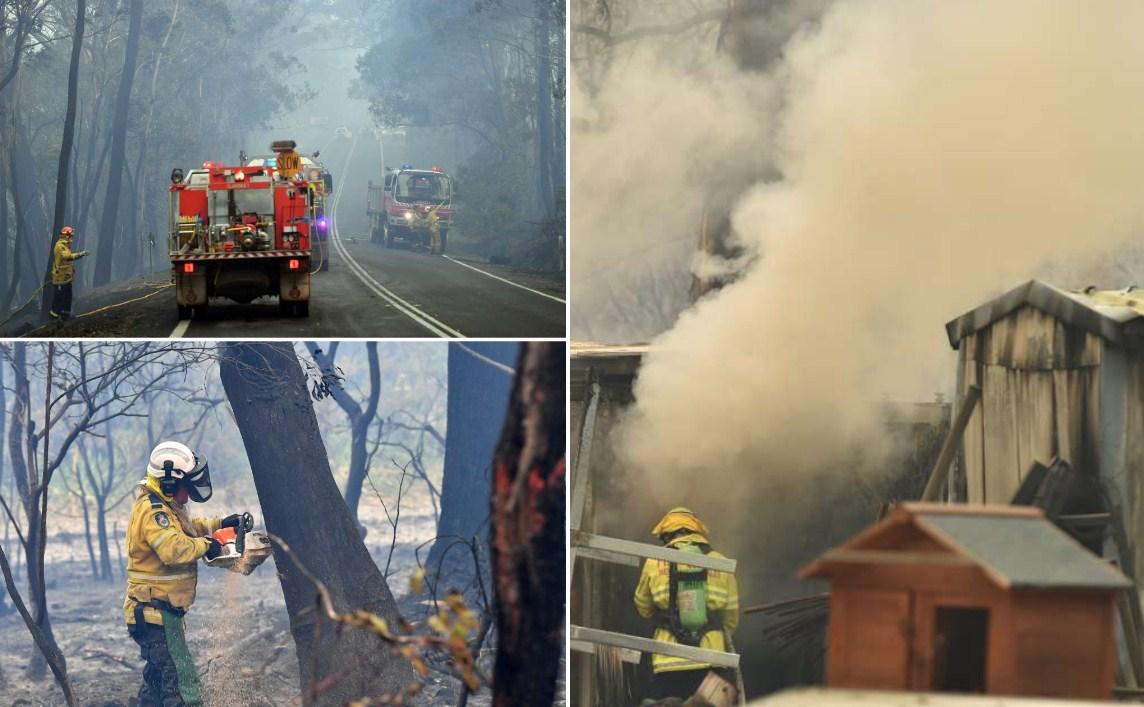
<point x="590" y="546"/>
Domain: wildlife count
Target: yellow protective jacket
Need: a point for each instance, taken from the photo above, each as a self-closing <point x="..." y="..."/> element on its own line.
<point x="164" y="545"/>
<point x="653" y="595"/>
<point x="63" y="262"/>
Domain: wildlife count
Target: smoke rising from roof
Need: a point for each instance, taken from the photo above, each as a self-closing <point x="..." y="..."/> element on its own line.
<point x="931" y="154"/>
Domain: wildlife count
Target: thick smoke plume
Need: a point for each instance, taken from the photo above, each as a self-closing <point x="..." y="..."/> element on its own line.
<point x="932" y="154"/>
<point x="658" y="136"/>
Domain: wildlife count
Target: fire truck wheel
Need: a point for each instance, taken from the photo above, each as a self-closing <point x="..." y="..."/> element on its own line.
<point x="444" y="239"/>
<point x="184" y="312"/>
<point x="388" y="237"/>
<point x="376" y="236"/>
<point x="302" y="309"/>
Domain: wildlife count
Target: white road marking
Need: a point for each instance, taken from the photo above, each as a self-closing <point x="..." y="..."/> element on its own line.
<point x="181" y="329"/>
<point x="505" y="280"/>
<point x="438" y="328"/>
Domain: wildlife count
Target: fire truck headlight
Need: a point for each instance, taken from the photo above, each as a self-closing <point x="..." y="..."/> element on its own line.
<point x="408" y="215"/>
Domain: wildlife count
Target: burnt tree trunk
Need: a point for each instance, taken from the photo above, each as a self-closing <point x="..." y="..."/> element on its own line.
<point x="272" y="407"/>
<point x="477" y="399"/>
<point x="3" y="436"/>
<point x="108" y="223"/>
<point x="31" y="221"/>
<point x="65" y="149"/>
<point x="102" y="491"/>
<point x="87" y="538"/>
<point x="527" y="531"/>
<point x="81" y="496"/>
<point x="6" y="261"/>
<point x="30" y="487"/>
<point x="104" y="546"/>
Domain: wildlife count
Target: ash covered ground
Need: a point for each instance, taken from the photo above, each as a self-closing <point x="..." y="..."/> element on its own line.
<point x="237" y="630"/>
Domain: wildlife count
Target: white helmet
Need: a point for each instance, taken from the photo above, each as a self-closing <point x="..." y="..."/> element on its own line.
<point x="174" y="462"/>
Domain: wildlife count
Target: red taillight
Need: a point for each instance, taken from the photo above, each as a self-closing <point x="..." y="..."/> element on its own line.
<point x="188" y="267"/>
<point x="294" y="264"/>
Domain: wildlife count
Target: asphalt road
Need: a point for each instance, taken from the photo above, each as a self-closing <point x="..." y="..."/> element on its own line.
<point x="369" y="291"/>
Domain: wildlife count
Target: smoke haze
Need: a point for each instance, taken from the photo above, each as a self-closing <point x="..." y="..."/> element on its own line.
<point x="932" y="154"/>
<point x="664" y="130"/>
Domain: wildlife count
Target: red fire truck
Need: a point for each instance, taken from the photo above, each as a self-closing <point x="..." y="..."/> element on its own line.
<point x="243" y="234"/>
<point x="401" y="207"/>
<point x="322" y="184"/>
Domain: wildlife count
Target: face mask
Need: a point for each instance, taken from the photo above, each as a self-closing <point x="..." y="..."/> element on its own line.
<point x="198" y="481"/>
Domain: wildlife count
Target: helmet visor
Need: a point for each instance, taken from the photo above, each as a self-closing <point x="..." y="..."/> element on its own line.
<point x="198" y="481"/>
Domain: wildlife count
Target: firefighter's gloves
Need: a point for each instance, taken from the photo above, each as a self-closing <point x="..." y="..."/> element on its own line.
<point x="234" y="520"/>
<point x="213" y="549"/>
<point x="81" y="254"/>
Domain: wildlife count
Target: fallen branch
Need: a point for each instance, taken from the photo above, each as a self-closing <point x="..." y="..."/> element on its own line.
<point x="92" y="653"/>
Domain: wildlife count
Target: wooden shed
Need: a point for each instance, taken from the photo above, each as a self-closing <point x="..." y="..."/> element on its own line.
<point x="601" y="378"/>
<point x="1061" y="374"/>
<point x="970" y="598"/>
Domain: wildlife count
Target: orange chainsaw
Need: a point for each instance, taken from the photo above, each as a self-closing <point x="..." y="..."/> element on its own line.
<point x="242" y="549"/>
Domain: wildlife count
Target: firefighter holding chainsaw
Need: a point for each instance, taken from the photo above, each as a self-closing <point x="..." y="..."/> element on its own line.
<point x="164" y="543"/>
<point x="689" y="605"/>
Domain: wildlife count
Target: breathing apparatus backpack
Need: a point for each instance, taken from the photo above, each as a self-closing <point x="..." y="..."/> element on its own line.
<point x="687" y="603"/>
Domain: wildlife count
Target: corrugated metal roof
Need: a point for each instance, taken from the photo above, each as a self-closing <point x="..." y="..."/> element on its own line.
<point x="1115" y="315"/>
<point x="1026" y="551"/>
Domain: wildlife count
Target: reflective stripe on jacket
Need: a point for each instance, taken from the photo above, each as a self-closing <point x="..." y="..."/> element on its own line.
<point x="653" y="594"/>
<point x="163" y="548"/>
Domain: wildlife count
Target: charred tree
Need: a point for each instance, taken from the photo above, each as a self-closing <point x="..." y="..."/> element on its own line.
<point x="31" y="220"/>
<point x="6" y="261"/>
<point x="527" y="530"/>
<point x="275" y="416"/>
<point x="3" y="428"/>
<point x="33" y="492"/>
<point x="65" y="149"/>
<point x="107" y="227"/>
<point x="478" y="393"/>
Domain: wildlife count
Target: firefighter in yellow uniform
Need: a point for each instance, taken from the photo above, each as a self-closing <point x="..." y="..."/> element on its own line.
<point x="435" y="245"/>
<point x="689" y="605"/>
<point x="63" y="272"/>
<point x="163" y="546"/>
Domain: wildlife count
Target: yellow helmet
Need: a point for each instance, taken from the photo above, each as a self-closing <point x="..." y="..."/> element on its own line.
<point x="679" y="518"/>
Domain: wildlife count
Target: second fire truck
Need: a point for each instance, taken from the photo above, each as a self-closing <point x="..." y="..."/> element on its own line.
<point x="406" y="206"/>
